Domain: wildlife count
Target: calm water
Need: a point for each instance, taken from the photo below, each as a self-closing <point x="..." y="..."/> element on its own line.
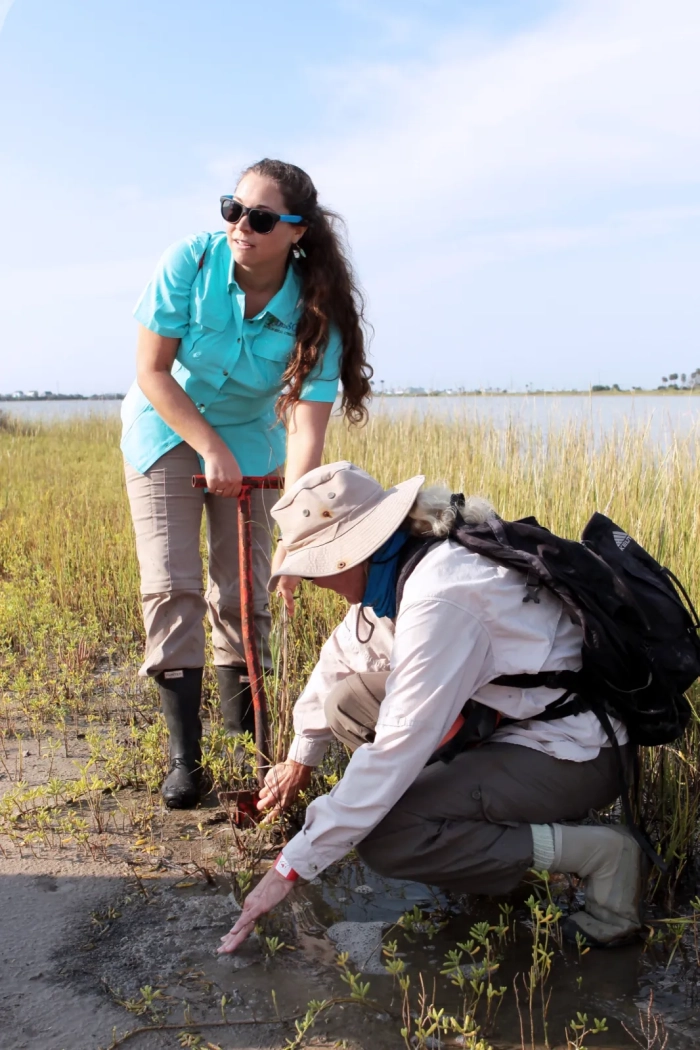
<point x="614" y="984"/>
<point x="659" y="417"/>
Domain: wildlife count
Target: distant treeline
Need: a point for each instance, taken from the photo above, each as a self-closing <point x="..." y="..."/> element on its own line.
<point x="61" y="397"/>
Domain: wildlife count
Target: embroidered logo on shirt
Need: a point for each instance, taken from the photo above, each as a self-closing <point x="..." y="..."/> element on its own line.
<point x="275" y="325"/>
<point x="621" y="539"/>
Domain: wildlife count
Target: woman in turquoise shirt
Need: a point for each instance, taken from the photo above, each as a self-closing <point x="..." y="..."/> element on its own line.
<point x="244" y="336"/>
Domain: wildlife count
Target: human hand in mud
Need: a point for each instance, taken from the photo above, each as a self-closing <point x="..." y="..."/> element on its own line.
<point x="270" y="891"/>
<point x="282" y="786"/>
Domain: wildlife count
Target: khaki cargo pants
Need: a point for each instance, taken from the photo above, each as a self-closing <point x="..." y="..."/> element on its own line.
<point x="167" y="516"/>
<point x="465" y="826"/>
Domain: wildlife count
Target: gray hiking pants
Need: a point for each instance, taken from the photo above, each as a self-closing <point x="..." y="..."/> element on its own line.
<point x="465" y="826"/>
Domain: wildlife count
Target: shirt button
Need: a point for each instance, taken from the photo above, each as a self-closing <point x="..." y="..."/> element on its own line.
<point x="239" y="339"/>
<point x="197" y="353"/>
<point x="201" y="408"/>
<point x="476" y="795"/>
<point x="225" y="372"/>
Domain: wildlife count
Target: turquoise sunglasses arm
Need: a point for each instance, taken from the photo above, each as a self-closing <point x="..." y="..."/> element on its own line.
<point x="281" y="218"/>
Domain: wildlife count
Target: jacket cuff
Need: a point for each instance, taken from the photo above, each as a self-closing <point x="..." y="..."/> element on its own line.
<point x="302" y="859"/>
<point x="285" y="869"/>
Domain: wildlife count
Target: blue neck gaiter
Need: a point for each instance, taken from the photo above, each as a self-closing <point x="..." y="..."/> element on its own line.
<point x="380" y="592"/>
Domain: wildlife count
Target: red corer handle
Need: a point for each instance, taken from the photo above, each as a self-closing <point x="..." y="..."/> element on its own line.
<point x="250" y="645"/>
<point x="199" y="481"/>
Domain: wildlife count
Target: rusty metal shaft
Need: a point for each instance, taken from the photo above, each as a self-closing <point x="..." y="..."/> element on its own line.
<point x="250" y="644"/>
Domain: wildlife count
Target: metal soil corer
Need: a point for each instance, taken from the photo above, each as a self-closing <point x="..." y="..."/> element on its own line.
<point x="250" y="646"/>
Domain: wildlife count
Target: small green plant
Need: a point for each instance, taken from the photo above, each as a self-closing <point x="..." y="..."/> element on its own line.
<point x="273" y="945"/>
<point x="191" y="1040"/>
<point x="416" y="923"/>
<point x="302" y="1026"/>
<point x="244" y="880"/>
<point x="148" y="1001"/>
<point x="580" y="1029"/>
<point x="394" y="965"/>
<point x="359" y="990"/>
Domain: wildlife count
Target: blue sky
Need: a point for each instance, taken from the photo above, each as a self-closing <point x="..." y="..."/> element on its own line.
<point x="520" y="178"/>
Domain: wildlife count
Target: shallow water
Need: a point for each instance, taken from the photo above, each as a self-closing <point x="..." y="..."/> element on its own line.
<point x="614" y="984"/>
<point x="660" y="416"/>
<point x="165" y="934"/>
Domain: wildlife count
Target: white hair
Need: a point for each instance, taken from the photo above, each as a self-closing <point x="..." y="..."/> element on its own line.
<point x="434" y="514"/>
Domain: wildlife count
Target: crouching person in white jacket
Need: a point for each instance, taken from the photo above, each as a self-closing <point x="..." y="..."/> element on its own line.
<point x="392" y="683"/>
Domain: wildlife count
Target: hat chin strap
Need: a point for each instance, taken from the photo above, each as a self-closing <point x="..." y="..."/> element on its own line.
<point x="363" y="615"/>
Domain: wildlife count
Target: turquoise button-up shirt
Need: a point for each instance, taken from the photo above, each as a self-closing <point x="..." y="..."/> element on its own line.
<point x="230" y="366"/>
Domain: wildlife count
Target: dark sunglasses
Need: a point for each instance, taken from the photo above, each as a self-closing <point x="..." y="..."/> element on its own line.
<point x="261" y="220"/>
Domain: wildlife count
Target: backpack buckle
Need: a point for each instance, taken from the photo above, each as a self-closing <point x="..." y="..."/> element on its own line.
<point x="533" y="585"/>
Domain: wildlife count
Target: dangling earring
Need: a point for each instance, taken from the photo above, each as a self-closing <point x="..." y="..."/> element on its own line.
<point x="298" y="252"/>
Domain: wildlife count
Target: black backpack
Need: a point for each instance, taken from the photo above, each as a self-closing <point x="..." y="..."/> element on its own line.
<point x="640" y="651"/>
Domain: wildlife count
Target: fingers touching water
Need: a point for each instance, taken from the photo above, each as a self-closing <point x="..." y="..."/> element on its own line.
<point x="270" y="891"/>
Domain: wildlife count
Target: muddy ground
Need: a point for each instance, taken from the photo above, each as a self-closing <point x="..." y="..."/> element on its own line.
<point x="119" y="935"/>
<point x="80" y="940"/>
<point x="86" y="928"/>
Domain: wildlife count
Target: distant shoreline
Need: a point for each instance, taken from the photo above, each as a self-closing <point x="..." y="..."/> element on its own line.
<point x="10" y="399"/>
<point x="6" y="399"/>
<point x="546" y="393"/>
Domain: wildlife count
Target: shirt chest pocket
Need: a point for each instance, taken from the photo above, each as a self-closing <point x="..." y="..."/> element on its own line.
<point x="208" y="315"/>
<point x="270" y="354"/>
<point x="205" y="338"/>
<point x="273" y="346"/>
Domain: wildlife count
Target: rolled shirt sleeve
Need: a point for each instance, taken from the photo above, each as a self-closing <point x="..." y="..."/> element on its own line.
<point x="322" y="382"/>
<point x="164" y="306"/>
<point x="441" y="655"/>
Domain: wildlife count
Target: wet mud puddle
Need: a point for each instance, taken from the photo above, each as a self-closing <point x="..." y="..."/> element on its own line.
<point x="154" y="955"/>
<point x="649" y="996"/>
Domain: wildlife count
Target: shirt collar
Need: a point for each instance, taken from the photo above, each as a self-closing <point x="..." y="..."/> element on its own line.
<point x="284" y="304"/>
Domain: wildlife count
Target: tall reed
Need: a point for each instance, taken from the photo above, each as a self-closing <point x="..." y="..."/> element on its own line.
<point x="69" y="579"/>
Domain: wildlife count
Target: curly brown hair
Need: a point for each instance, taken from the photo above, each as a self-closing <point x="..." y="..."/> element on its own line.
<point x="331" y="295"/>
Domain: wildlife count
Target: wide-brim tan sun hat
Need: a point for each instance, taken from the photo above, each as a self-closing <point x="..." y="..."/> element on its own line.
<point x="335" y="517"/>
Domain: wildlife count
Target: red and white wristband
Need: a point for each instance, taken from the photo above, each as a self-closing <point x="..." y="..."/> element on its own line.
<point x="285" y="869"/>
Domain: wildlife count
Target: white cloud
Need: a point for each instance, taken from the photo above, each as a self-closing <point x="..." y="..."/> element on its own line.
<point x="462" y="174"/>
<point x="601" y="100"/>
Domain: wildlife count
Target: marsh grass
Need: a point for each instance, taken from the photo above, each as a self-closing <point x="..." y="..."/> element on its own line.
<point x="70" y="624"/>
<point x="71" y="639"/>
